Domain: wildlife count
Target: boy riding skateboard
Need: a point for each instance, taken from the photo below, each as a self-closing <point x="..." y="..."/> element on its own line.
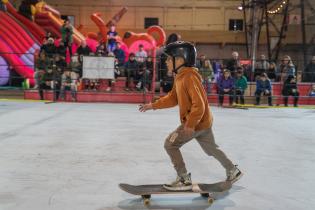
<point x="195" y="116"/>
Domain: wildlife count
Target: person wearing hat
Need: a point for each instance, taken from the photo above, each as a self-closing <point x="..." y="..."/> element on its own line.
<point x="290" y="89"/>
<point x="263" y="87"/>
<point x="195" y="115"/>
<point x="50" y="48"/>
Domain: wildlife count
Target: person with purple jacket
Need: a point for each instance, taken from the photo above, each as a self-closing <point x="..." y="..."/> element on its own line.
<point x="226" y="86"/>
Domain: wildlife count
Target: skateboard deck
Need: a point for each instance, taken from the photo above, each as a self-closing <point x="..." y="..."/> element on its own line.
<point x="205" y="190"/>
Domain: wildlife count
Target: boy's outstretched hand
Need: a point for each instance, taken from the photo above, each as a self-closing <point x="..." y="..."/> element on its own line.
<point x="145" y="107"/>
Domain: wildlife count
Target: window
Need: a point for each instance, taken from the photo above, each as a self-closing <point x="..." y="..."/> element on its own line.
<point x="236" y="25"/>
<point x="150" y="21"/>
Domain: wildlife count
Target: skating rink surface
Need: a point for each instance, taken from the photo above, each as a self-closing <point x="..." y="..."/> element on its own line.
<point x="69" y="156"/>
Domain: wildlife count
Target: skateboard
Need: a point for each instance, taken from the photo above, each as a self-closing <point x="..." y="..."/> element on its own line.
<point x="208" y="191"/>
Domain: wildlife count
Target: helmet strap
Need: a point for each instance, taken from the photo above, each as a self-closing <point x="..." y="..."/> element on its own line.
<point x="174" y="66"/>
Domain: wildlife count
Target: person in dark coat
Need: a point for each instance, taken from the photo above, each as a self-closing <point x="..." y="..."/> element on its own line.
<point x="309" y="71"/>
<point x="131" y="68"/>
<point x="290" y="89"/>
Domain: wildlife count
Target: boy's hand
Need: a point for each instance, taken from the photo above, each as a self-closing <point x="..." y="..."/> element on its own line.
<point x="145" y="107"/>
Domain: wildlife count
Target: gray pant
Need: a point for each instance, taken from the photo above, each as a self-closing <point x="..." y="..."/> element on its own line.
<point x="206" y="140"/>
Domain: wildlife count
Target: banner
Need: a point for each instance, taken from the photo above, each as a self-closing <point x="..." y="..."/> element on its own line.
<point x="98" y="67"/>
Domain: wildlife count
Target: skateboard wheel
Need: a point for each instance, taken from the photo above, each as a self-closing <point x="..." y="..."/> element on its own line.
<point x="204" y="195"/>
<point x="210" y="200"/>
<point x="146" y="201"/>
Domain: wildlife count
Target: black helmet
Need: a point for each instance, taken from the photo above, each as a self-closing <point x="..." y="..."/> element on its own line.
<point x="186" y="50"/>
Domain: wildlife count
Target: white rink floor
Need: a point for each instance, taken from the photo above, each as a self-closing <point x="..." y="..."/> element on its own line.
<point x="73" y="156"/>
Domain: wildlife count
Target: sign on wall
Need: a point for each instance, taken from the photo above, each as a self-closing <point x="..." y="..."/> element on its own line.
<point x="98" y="67"/>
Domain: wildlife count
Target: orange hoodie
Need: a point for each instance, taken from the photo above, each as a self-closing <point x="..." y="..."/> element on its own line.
<point x="191" y="97"/>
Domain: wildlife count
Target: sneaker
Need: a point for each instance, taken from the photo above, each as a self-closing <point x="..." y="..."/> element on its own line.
<point x="181" y="183"/>
<point x="234" y="174"/>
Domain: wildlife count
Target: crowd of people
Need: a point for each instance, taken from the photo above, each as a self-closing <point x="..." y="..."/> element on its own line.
<point x="231" y="78"/>
<point x="53" y="72"/>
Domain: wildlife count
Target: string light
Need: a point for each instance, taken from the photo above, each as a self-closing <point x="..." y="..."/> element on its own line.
<point x="278" y="9"/>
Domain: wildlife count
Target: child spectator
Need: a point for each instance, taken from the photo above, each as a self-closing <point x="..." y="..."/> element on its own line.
<point x="272" y="71"/>
<point x="312" y="92"/>
<point x="206" y="71"/>
<point x="225" y="86"/>
<point x="112" y="38"/>
<point x="240" y="85"/>
<point x="131" y="67"/>
<point x="141" y="55"/>
<point x="68" y="82"/>
<point x="286" y="68"/>
<point x="290" y="89"/>
<point x="263" y="86"/>
<point x="67" y="35"/>
<point x="142" y="77"/>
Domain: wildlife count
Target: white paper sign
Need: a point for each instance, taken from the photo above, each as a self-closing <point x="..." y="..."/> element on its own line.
<point x="98" y="67"/>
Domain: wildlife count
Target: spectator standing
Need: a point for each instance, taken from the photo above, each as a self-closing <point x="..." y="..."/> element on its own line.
<point x="233" y="63"/>
<point x="206" y="71"/>
<point x="111" y="39"/>
<point x="261" y="66"/>
<point x="309" y="71"/>
<point x="263" y="87"/>
<point x="225" y="86"/>
<point x="67" y="35"/>
<point x="290" y="89"/>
